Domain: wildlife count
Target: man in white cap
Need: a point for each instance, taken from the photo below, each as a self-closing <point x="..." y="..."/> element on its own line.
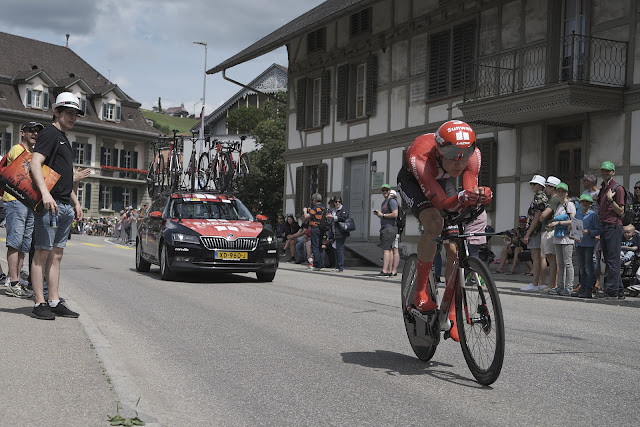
<point x="50" y="238"/>
<point x="533" y="236"/>
<point x="547" y="247"/>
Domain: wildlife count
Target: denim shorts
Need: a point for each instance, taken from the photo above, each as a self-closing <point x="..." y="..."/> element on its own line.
<point x="46" y="237"/>
<point x="19" y="226"/>
<point x="387" y="237"/>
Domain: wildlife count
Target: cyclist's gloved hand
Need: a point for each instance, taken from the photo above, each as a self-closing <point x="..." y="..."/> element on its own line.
<point x="468" y="197"/>
<point x="485" y="195"/>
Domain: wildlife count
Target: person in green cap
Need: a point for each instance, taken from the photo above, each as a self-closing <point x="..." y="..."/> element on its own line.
<point x="611" y="201"/>
<point x="562" y="217"/>
<point x="586" y="246"/>
<point x="388" y="230"/>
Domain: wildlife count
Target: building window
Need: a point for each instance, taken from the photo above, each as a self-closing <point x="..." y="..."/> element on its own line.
<point x="105" y="198"/>
<point x="111" y="112"/>
<point x="37" y="99"/>
<point x="83" y="105"/>
<point x="309" y="179"/>
<point x="357" y="89"/>
<point x="451" y="53"/>
<point x="126" y="197"/>
<point x="312" y="101"/>
<point x="127" y="159"/>
<point x="106" y="158"/>
<point x="5" y="143"/>
<point x="79" y="156"/>
<point x="80" y="194"/>
<point x="81" y="152"/>
<point x="316" y="41"/>
<point x="360" y="23"/>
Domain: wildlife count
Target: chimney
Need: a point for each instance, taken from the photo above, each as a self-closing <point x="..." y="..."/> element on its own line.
<point x="67" y="40"/>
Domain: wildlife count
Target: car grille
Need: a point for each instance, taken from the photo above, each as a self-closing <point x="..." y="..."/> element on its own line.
<point x="241" y="243"/>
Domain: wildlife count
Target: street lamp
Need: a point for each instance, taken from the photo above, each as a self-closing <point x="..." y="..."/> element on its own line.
<point x="204" y="92"/>
<point x="194" y="106"/>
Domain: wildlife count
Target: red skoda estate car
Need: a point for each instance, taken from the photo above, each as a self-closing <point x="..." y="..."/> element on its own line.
<point x="205" y="232"/>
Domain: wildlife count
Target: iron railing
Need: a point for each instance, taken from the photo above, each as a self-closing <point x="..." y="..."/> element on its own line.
<point x="575" y="58"/>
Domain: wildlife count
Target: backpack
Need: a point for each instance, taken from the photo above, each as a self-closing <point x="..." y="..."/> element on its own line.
<point x="627" y="215"/>
<point x="401" y="219"/>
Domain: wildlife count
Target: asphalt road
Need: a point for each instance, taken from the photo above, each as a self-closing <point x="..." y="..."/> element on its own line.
<point x="331" y="349"/>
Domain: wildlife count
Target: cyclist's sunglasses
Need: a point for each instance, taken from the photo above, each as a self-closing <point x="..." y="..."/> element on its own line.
<point x="453" y="152"/>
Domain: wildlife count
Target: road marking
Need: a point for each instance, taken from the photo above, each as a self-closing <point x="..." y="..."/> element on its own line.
<point x="94" y="245"/>
<point x="123" y="247"/>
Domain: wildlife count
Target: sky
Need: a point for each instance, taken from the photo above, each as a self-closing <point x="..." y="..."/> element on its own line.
<point x="146" y="46"/>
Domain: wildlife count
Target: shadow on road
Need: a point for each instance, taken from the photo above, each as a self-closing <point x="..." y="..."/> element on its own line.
<point x="19" y="310"/>
<point x="393" y="363"/>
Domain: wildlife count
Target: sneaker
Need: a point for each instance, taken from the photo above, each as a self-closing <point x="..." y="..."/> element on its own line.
<point x="382" y="274"/>
<point x="530" y="288"/>
<point x="61" y="310"/>
<point x="310" y="267"/>
<point x="18" y="291"/>
<point x="587" y="295"/>
<point x="43" y="311"/>
<point x="621" y="295"/>
<point x="337" y="270"/>
<point x="393" y="275"/>
<point x="564" y="292"/>
<point x="318" y="269"/>
<point x="292" y="259"/>
<point x="553" y="291"/>
<point x="5" y="280"/>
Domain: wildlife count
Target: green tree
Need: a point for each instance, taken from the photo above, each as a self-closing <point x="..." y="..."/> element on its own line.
<point x="264" y="188"/>
<point x="159" y="105"/>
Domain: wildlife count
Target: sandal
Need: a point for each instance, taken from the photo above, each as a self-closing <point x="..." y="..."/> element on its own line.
<point x="499" y="271"/>
<point x="528" y="274"/>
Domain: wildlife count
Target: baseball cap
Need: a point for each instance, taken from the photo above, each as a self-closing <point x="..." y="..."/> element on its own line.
<point x="386" y="186"/>
<point x="586" y="197"/>
<point x="553" y="181"/>
<point x="537" y="179"/>
<point x="607" y="165"/>
<point x="562" y="186"/>
<point x="393" y="193"/>
<point x="522" y="218"/>
<point x="31" y="125"/>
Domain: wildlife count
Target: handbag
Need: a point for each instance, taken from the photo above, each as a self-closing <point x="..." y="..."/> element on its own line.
<point x="17" y="180"/>
<point x="348" y="225"/>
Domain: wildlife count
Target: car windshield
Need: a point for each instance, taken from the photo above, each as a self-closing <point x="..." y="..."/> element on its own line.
<point x="209" y="209"/>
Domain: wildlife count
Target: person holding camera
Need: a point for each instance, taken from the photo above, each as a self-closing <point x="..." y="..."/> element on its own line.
<point x="337" y="215"/>
<point x="314" y="216"/>
<point x="388" y="229"/>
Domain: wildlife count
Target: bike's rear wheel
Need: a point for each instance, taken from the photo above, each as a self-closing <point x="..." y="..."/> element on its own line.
<point x="423" y="344"/>
<point x="204" y="171"/>
<point x="151" y="180"/>
<point x="222" y="171"/>
<point x="242" y="174"/>
<point x="161" y="175"/>
<point x="480" y="323"/>
<point x="175" y="172"/>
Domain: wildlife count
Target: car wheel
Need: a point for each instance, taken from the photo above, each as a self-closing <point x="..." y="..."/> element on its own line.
<point x="165" y="270"/>
<point x="265" y="277"/>
<point x="141" y="264"/>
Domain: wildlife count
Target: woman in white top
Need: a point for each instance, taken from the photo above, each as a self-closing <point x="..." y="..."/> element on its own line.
<point x="562" y="216"/>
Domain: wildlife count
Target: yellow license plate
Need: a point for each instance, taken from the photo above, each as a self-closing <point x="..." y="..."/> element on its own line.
<point x="232" y="255"/>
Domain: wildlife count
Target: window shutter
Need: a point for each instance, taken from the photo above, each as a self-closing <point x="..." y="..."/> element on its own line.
<point x="300" y="102"/>
<point x="311" y="42"/>
<point x="462" y="55"/>
<point x="74" y="150"/>
<point x="117" y="204"/>
<point x="7" y="143"/>
<point x="322" y="180"/>
<point x="439" y="64"/>
<point x="83" y="106"/>
<point x="325" y="108"/>
<point x="87" y="158"/>
<point x="342" y="92"/>
<point x="299" y="190"/>
<point x="372" y="84"/>
<point x="487" y="175"/>
<point x="45" y="100"/>
<point x="100" y="198"/>
<point x="134" y="198"/>
<point x="102" y="159"/>
<point x="87" y="195"/>
<point x="114" y="157"/>
<point x="29" y="98"/>
<point x="365" y="21"/>
<point x="353" y="24"/>
<point x="104" y="110"/>
<point x="121" y="164"/>
<point x="118" y="112"/>
<point x="135" y="160"/>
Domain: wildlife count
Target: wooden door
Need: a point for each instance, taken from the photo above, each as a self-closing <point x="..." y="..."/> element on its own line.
<point x="567" y="156"/>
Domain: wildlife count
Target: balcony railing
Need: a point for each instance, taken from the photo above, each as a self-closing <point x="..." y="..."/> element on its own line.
<point x="575" y="58"/>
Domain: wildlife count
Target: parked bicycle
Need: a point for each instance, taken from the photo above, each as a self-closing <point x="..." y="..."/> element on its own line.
<point x="165" y="170"/>
<point x="193" y="173"/>
<point x="478" y="312"/>
<point x="218" y="166"/>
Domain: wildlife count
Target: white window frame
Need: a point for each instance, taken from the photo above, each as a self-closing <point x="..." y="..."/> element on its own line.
<point x="36" y="100"/>
<point x="128" y="158"/>
<point x="316" y="102"/>
<point x="111" y="112"/>
<point x="80" y="153"/>
<point x="80" y="194"/>
<point x="107" y="157"/>
<point x="126" y="197"/>
<point x="105" y="198"/>
<point x="361" y="85"/>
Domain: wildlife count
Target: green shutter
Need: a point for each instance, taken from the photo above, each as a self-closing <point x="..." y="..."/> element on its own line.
<point x="301" y="87"/>
<point x="87" y="195"/>
<point x="342" y="92"/>
<point x="325" y="108"/>
<point x="87" y="158"/>
<point x="372" y="85"/>
<point x="45" y="100"/>
<point x="29" y="97"/>
<point x="299" y="190"/>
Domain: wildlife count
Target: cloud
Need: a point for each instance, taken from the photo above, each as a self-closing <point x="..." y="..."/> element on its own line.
<point x="55" y="17"/>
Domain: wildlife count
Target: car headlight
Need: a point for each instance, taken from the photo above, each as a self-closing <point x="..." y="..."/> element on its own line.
<point x="185" y="238"/>
<point x="268" y="240"/>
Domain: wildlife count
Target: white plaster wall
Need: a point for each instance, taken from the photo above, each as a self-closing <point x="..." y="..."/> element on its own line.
<point x="384" y="59"/>
<point x="294" y="140"/>
<point x="358" y="131"/>
<point x="338" y="172"/>
<point x="634" y="159"/>
<point x="379" y="123"/>
<point x="381" y="13"/>
<point x="395" y="157"/>
<point x="380" y="157"/>
<point x="399" y="60"/>
<point x="420" y="7"/>
<point x="290" y="207"/>
<point x="340" y="131"/>
<point x="505" y="200"/>
<point x="374" y="221"/>
<point x="530" y="149"/>
<point x="439" y="113"/>
<point x="605" y="11"/>
<point x="398" y="108"/>
<point x="633" y="178"/>
<point x="455" y="111"/>
<point x="314" y="139"/>
<point x="606" y="140"/>
<point x="418" y="55"/>
<point x="636" y="56"/>
<point x="489" y="31"/>
<point x="526" y="196"/>
<point x="507" y="145"/>
<point x="417" y="107"/>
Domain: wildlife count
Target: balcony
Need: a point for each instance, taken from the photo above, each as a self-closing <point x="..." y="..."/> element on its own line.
<point x="577" y="74"/>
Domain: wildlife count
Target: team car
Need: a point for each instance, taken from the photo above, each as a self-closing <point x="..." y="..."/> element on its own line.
<point x="207" y="232"/>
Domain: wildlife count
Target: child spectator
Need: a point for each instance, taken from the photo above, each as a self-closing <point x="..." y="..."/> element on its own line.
<point x="586" y="246"/>
<point x="562" y="216"/>
<point x="630" y="243"/>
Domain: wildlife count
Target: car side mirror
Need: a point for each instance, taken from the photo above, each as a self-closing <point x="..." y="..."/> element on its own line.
<point x="156" y="214"/>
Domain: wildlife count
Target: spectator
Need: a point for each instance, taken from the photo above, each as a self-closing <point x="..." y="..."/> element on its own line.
<point x="513" y="246"/>
<point x="586" y="246"/>
<point x="314" y="215"/>
<point x="388" y="230"/>
<point x="281" y="234"/>
<point x="547" y="246"/>
<point x="339" y="215"/>
<point x="636" y="205"/>
<point x="292" y="232"/>
<point x="476" y="226"/>
<point x="61" y="202"/>
<point x="19" y="218"/>
<point x="630" y="243"/>
<point x="562" y="216"/>
<point x="533" y="236"/>
<point x="396" y="242"/>
<point x="611" y="210"/>
<point x="591" y="188"/>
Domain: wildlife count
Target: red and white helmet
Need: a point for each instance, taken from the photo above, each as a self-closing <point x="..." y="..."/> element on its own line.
<point x="455" y="140"/>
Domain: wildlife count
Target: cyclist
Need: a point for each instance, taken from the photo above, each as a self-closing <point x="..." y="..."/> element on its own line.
<point x="427" y="183"/>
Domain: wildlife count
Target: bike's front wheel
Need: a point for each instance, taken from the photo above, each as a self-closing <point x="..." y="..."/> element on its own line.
<point x="423" y="340"/>
<point x="204" y="171"/>
<point x="480" y="323"/>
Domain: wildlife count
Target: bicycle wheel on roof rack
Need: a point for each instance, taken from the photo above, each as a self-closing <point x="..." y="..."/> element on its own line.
<point x="242" y="174"/>
<point x="222" y="171"/>
<point x="161" y="176"/>
<point x="151" y="180"/>
<point x="175" y="172"/>
<point x="204" y="171"/>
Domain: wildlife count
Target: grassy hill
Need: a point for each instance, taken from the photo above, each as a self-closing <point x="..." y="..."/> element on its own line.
<point x="166" y="124"/>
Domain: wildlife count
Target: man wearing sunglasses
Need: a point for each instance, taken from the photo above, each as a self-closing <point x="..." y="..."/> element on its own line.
<point x="427" y="183"/>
